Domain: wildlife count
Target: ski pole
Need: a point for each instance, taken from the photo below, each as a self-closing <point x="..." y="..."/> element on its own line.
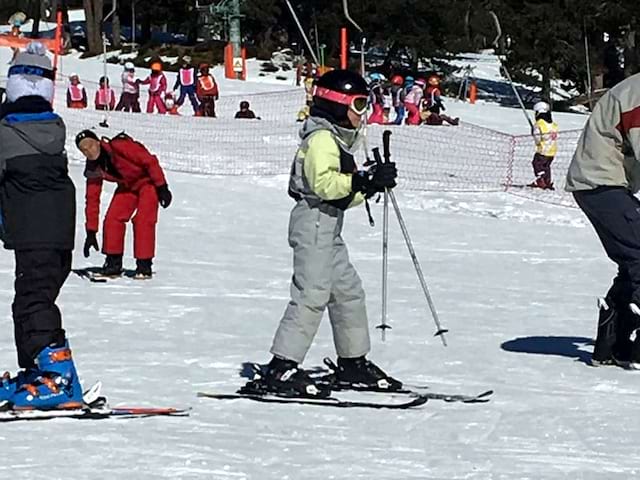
<point x="405" y="232"/>
<point x="385" y="242"/>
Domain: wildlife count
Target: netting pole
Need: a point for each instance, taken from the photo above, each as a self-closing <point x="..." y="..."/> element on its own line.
<point x="512" y="158"/>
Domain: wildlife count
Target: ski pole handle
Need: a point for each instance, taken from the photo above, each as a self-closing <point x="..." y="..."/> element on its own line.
<point x="385" y="144"/>
<point x="376" y="155"/>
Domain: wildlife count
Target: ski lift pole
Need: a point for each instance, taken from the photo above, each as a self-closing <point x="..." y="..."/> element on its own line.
<point x="496" y="41"/>
<point x="363" y="40"/>
<point x="114" y="7"/>
<point x="304" y="35"/>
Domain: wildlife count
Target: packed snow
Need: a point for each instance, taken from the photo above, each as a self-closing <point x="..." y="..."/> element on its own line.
<point x="514" y="280"/>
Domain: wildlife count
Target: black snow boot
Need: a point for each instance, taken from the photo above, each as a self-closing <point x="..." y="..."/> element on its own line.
<point x="112" y="266"/>
<point x="143" y="270"/>
<point x="362" y="374"/>
<point x="606" y="335"/>
<point x="286" y="378"/>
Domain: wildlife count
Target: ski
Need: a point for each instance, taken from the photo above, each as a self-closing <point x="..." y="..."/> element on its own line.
<point x="325" y="375"/>
<point x="90" y="276"/>
<point x="94" y="275"/>
<point x="482" y="397"/>
<point x="411" y="402"/>
<point x="95" y="408"/>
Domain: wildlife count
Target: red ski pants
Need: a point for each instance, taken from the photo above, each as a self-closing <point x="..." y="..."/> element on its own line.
<point x="144" y="203"/>
<point x="413" y="117"/>
<point x="155" y="100"/>
<point x="377" y="116"/>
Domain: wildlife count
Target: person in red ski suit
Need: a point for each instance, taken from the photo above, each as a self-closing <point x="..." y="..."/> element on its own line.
<point x="76" y="94"/>
<point x="157" y="86"/>
<point x="141" y="187"/>
<point x="105" y="96"/>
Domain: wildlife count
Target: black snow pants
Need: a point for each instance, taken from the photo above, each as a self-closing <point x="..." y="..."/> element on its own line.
<point x="40" y="275"/>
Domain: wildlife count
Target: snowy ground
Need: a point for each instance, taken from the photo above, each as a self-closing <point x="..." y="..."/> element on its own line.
<point x="514" y="281"/>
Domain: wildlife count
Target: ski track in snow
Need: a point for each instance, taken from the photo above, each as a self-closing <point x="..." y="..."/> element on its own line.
<point x="514" y="281"/>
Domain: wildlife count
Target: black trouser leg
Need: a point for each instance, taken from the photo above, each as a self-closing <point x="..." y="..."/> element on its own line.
<point x="40" y="275"/>
<point x="615" y="215"/>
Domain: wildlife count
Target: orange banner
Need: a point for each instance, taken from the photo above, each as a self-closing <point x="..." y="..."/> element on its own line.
<point x="7" y="40"/>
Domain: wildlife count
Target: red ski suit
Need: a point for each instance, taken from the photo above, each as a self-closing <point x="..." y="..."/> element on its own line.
<point x="138" y="174"/>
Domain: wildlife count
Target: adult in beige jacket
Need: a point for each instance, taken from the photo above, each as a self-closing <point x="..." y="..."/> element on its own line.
<point x="603" y="177"/>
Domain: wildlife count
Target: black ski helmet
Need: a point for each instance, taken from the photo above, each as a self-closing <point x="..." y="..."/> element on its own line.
<point x="244" y="105"/>
<point x="338" y="81"/>
<point x="343" y="81"/>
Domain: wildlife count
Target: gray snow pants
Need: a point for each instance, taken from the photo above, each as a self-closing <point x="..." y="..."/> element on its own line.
<point x="323" y="278"/>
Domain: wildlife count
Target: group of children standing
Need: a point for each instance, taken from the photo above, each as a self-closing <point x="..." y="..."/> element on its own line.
<point x="415" y="101"/>
<point x="199" y="86"/>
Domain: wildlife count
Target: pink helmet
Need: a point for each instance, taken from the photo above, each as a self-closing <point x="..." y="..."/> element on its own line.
<point x="421" y="82"/>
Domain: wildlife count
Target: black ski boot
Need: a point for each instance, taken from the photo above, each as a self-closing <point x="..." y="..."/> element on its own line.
<point x="606" y="335"/>
<point x="143" y="270"/>
<point x="623" y="348"/>
<point x="362" y="374"/>
<point x="634" y="337"/>
<point x="287" y="379"/>
<point x="112" y="267"/>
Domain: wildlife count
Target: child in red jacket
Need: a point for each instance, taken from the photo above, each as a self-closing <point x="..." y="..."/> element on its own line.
<point x="141" y="186"/>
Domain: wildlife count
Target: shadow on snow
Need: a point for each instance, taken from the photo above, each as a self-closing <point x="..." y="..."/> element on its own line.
<point x="571" y="347"/>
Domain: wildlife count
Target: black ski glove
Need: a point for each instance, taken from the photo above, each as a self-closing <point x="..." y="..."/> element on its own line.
<point x="361" y="183"/>
<point x="164" y="196"/>
<point x="90" y="241"/>
<point x="384" y="176"/>
<point x="379" y="178"/>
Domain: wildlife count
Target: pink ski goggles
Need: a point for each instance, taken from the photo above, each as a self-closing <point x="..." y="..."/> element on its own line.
<point x="357" y="103"/>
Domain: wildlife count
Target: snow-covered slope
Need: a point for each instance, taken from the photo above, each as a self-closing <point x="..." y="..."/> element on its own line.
<point x="514" y="281"/>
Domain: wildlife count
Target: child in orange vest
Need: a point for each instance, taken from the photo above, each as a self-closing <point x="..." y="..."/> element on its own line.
<point x="105" y="96"/>
<point x="76" y="94"/>
<point x="207" y="92"/>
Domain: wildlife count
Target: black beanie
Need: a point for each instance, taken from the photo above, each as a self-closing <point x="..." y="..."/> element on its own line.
<point x="85" y="134"/>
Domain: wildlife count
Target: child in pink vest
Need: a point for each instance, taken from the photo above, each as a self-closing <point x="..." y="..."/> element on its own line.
<point x="76" y="94"/>
<point x="157" y="86"/>
<point x="413" y="100"/>
<point x="105" y="96"/>
<point x="186" y="80"/>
